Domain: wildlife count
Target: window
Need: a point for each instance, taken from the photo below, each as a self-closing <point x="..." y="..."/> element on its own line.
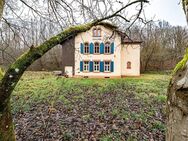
<point x="96" y="66"/>
<point x="96" y="32"/>
<point x="99" y="32"/>
<point x="107" y="48"/>
<point x="86" y="48"/>
<point x="86" y="66"/>
<point x="107" y="66"/>
<point x="128" y="65"/>
<point x="96" y="48"/>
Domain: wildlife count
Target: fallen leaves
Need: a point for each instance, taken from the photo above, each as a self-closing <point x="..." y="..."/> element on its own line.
<point x="92" y="117"/>
<point x="90" y="111"/>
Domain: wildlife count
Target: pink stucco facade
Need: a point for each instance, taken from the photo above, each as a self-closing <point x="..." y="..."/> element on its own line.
<point x="123" y="54"/>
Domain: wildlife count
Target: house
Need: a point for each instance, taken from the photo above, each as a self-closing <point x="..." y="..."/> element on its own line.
<point x="101" y="52"/>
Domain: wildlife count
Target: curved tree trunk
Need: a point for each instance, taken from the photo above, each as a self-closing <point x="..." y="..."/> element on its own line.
<point x="13" y="74"/>
<point x="15" y="71"/>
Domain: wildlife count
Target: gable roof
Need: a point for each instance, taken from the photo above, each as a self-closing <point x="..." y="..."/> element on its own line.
<point x="107" y="25"/>
<point x="125" y="39"/>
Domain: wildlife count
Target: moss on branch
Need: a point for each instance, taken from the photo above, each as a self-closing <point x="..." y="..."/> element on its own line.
<point x="16" y="70"/>
<point x="182" y="64"/>
<point x="37" y="52"/>
<point x="1" y="73"/>
<point x="2" y="3"/>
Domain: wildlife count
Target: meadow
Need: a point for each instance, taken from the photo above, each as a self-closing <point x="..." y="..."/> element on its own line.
<point x="48" y="107"/>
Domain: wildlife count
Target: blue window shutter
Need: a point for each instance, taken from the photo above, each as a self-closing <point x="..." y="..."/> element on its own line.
<point x="81" y="48"/>
<point x="112" y="48"/>
<point x="101" y="66"/>
<point x="91" y="47"/>
<point x="81" y="65"/>
<point x="90" y="66"/>
<point x="112" y="66"/>
<point x="101" y="48"/>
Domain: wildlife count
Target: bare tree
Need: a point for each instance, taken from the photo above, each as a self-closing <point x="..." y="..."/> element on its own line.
<point x="161" y="39"/>
<point x="15" y="71"/>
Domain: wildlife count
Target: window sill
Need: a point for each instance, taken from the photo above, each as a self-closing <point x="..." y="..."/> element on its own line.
<point x="96" y="71"/>
<point x="107" y="71"/>
<point x="97" y="38"/>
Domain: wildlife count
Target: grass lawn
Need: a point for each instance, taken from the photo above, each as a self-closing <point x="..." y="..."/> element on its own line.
<point x="46" y="107"/>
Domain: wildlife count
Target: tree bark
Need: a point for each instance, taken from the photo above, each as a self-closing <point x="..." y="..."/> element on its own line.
<point x="177" y="103"/>
<point x="177" y="98"/>
<point x="6" y="124"/>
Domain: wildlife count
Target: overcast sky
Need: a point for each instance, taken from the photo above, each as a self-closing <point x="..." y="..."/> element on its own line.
<point x="169" y="10"/>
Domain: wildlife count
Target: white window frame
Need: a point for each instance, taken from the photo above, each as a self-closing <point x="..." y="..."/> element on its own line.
<point x="107" y="66"/>
<point x="95" y="32"/>
<point x="86" y="66"/>
<point x="86" y="47"/>
<point x="99" y="32"/>
<point x="96" y="47"/>
<point x="107" y="48"/>
<point x="96" y="66"/>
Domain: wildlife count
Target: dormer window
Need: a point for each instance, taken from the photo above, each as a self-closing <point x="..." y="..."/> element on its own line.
<point x="99" y="32"/>
<point x="96" y="32"/>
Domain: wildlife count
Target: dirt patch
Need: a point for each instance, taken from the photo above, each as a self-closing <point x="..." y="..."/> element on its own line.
<point x="110" y="116"/>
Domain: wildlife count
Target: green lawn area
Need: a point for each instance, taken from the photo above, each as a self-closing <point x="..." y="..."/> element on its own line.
<point x="131" y="108"/>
